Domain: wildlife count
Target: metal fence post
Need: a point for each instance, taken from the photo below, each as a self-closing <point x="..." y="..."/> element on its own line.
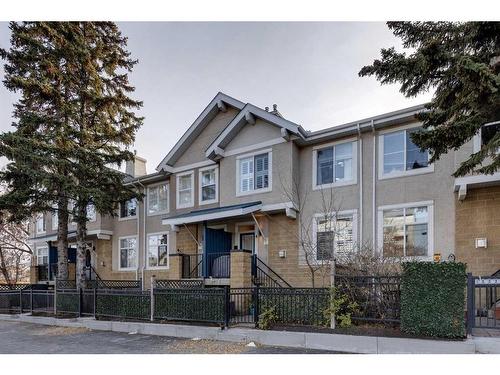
<point x="256" y="304"/>
<point x="152" y="298"/>
<point x="55" y="297"/>
<point x="227" y="305"/>
<point x="95" y="302"/>
<point x="80" y="297"/>
<point x="471" y="305"/>
<point x="21" y="301"/>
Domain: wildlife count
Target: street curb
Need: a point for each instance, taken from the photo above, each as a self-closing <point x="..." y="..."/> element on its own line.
<point x="303" y="340"/>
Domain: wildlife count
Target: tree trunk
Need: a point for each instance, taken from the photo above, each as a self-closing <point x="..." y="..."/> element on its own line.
<point x="81" y="233"/>
<point x="4" y="268"/>
<point x="62" y="238"/>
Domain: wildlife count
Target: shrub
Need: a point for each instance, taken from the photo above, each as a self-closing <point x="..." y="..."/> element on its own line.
<point x="433" y="299"/>
<point x="267" y="318"/>
<point x="340" y="306"/>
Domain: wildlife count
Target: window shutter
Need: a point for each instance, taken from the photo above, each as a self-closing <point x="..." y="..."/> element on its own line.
<point x="261" y="171"/>
<point x="246" y="175"/>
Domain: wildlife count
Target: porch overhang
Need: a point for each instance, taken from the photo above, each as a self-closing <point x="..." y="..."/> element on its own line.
<point x="462" y="184"/>
<point x="213" y="214"/>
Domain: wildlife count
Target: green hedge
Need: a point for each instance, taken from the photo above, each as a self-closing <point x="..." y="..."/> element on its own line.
<point x="67" y="302"/>
<point x="433" y="299"/>
<point x="124" y="305"/>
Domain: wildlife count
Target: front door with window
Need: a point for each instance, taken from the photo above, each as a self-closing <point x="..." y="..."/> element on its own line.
<point x="247" y="241"/>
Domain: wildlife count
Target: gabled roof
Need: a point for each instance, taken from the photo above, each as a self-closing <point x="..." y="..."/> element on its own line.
<point x="247" y="116"/>
<point x="218" y="103"/>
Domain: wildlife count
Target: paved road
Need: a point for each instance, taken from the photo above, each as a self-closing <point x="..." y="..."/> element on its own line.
<point x="18" y="337"/>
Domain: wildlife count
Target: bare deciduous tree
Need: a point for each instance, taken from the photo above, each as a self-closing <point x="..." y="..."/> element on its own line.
<point x="15" y="252"/>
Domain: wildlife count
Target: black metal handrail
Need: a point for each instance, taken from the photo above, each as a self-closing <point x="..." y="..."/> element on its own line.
<point x="217" y="265"/>
<point x="263" y="275"/>
<point x="191" y="266"/>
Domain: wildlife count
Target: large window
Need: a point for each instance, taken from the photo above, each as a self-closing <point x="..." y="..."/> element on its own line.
<point x="55" y="218"/>
<point x="128" y="252"/>
<point x="334" y="165"/>
<point x="254" y="173"/>
<point x="158" y="199"/>
<point x="158" y="250"/>
<point x="40" y="223"/>
<point x="208" y="185"/>
<point x="128" y="208"/>
<point x="334" y="236"/>
<point x="185" y="191"/>
<point x="91" y="213"/>
<point x="42" y="256"/>
<point x="400" y="155"/>
<point x="405" y="231"/>
<point x="485" y="135"/>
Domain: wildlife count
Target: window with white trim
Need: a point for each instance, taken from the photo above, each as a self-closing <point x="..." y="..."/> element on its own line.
<point x="158" y="250"/>
<point x="400" y="154"/>
<point x="42" y="256"/>
<point x="91" y="213"/>
<point x="185" y="192"/>
<point x="486" y="133"/>
<point x="208" y="185"/>
<point x="158" y="199"/>
<point x="254" y="173"/>
<point x="406" y="231"/>
<point x="128" y="252"/>
<point x="334" y="235"/>
<point x="40" y="223"/>
<point x="334" y="164"/>
<point x="55" y="218"/>
<point x="128" y="208"/>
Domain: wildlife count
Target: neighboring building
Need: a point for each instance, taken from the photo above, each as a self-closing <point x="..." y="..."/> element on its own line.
<point x="230" y="188"/>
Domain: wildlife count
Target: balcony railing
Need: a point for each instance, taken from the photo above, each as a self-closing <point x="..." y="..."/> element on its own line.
<point x="46" y="272"/>
<point x="197" y="266"/>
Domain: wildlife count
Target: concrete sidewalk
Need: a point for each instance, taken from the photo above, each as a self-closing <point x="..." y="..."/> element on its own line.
<point x="306" y="340"/>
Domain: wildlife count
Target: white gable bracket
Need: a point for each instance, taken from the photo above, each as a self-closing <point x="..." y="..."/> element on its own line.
<point x="249" y="118"/>
<point x="222" y="106"/>
<point x="285" y="134"/>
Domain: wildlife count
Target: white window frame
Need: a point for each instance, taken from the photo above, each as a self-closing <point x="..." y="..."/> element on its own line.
<point x="269" y="187"/>
<point x="177" y="192"/>
<point x="352" y="181"/>
<point x="44" y="225"/>
<point x="476" y="140"/>
<point x="38" y="248"/>
<point x="128" y="217"/>
<point x="168" y="198"/>
<point x="200" y="187"/>
<point x="316" y="216"/>
<point x="430" y="226"/>
<point x="120" y="268"/>
<point x="404" y="173"/>
<point x="94" y="219"/>
<point x="54" y="218"/>
<point x="168" y="251"/>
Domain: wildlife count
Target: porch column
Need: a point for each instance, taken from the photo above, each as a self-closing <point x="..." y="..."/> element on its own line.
<point x="175" y="269"/>
<point x="241" y="269"/>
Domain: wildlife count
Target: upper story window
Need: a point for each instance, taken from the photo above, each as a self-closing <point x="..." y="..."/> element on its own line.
<point x="400" y="156"/>
<point x="405" y="231"/>
<point x="334" y="235"/>
<point x="42" y="256"/>
<point x="91" y="213"/>
<point x="55" y="218"/>
<point x="158" y="199"/>
<point x="128" y="252"/>
<point x="254" y="173"/>
<point x="185" y="190"/>
<point x="334" y="165"/>
<point x="208" y="185"/>
<point x="485" y="135"/>
<point x="128" y="209"/>
<point x="40" y="223"/>
<point x="158" y="250"/>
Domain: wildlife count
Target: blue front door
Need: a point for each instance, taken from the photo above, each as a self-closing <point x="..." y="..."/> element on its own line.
<point x="217" y="246"/>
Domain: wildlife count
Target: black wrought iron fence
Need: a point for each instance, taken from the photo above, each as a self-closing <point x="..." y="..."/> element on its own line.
<point x="179" y="284"/>
<point x="243" y="306"/>
<point x="483" y="302"/>
<point x="14" y="286"/>
<point x="114" y="284"/>
<point x="192" y="266"/>
<point x="378" y="298"/>
<point x="123" y="304"/>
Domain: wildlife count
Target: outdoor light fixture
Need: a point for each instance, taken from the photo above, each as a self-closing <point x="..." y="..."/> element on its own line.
<point x="481" y="243"/>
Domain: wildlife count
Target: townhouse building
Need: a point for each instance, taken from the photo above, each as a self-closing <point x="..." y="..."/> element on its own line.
<point x="242" y="196"/>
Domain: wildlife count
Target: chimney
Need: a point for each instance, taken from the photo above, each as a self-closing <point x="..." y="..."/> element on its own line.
<point x="136" y="167"/>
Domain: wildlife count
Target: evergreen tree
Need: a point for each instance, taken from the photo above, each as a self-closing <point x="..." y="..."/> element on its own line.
<point x="461" y="61"/>
<point x="104" y="124"/>
<point x="36" y="176"/>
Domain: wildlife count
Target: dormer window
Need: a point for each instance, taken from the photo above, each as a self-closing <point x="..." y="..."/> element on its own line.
<point x="254" y="173"/>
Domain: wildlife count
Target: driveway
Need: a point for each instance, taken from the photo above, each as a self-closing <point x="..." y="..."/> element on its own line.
<point x="28" y="338"/>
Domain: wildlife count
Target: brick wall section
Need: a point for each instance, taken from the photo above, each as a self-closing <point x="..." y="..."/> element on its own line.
<point x="241" y="269"/>
<point x="283" y="236"/>
<point x="479" y="216"/>
<point x="185" y="242"/>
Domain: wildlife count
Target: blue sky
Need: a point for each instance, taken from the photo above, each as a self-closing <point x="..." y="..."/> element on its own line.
<point x="310" y="70"/>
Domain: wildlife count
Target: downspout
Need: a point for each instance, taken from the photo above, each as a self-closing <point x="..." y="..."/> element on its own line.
<point x="360" y="215"/>
<point x="374" y="187"/>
